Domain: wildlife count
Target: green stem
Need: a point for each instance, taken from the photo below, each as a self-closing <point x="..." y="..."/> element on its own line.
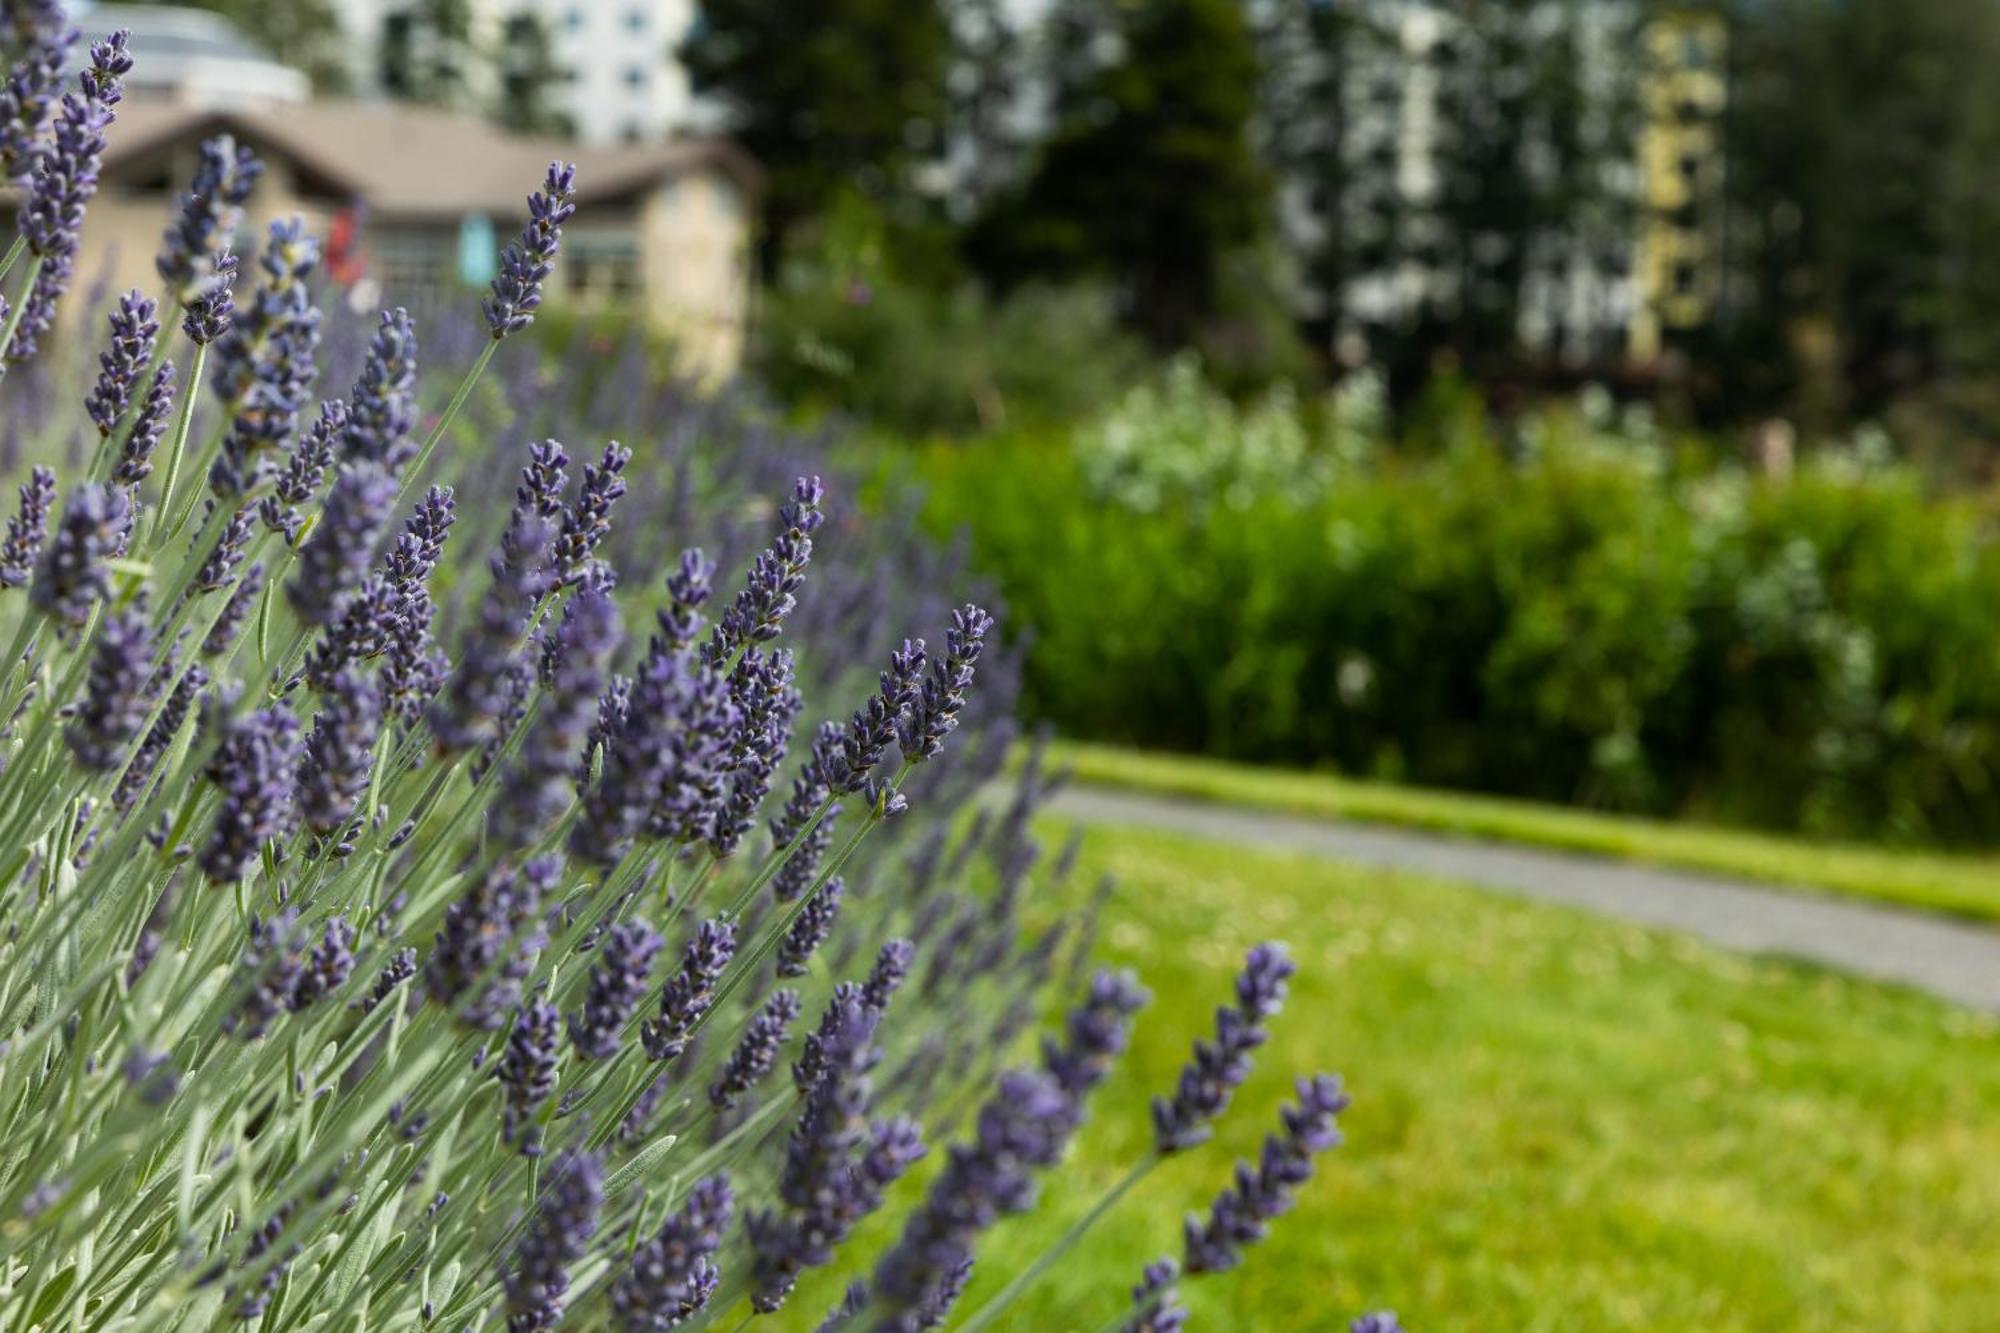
<point x="177" y="447"/>
<point x="13" y="253"/>
<point x="1047" y="1259"/>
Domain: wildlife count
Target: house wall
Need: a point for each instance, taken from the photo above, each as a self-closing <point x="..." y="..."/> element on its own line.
<point x="694" y="260"/>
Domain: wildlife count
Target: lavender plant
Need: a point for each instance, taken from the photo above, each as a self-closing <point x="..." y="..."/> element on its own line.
<point x="392" y="944"/>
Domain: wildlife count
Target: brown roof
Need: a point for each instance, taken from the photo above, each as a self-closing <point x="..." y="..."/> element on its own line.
<point x="419" y="162"/>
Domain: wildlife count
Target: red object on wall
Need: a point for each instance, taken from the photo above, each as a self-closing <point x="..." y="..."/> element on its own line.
<point x="345" y="263"/>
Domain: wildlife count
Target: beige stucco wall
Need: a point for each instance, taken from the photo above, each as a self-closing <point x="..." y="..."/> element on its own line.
<point x="694" y="257"/>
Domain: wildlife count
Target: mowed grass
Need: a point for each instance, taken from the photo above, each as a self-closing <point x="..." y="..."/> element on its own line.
<point x="1967" y="886"/>
<point x="1558" y="1123"/>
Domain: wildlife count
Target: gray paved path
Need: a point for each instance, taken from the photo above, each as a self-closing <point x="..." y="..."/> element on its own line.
<point x="1953" y="960"/>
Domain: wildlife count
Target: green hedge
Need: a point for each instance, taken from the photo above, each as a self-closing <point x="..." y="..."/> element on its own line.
<point x="1581" y="618"/>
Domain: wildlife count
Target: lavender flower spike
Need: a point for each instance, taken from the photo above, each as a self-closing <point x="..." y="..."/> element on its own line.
<point x="933" y="713"/>
<point x="1218" y="1067"/>
<point x="335" y="558"/>
<point x="149" y="424"/>
<point x="28" y="528"/>
<point x="340" y="753"/>
<point x="588" y="521"/>
<point x="135" y="328"/>
<point x="114" y="703"/>
<point x="72" y="574"/>
<point x="690" y="991"/>
<point x="254" y="767"/>
<point x="537" y="1283"/>
<point x="770" y="594"/>
<point x="617" y="988"/>
<point x="327" y="968"/>
<point x="30" y="89"/>
<point x="809" y="929"/>
<point x="1380" y="1321"/>
<point x="194" y="252"/>
<point x="1241" y="1215"/>
<point x="66" y="174"/>
<point x="528" y="1070"/>
<point x="757" y="1052"/>
<point x="382" y="409"/>
<point x="528" y="262"/>
<point x="494" y="930"/>
<point x="1095" y="1035"/>
<point x="673" y="1275"/>
<point x="1156" y="1305"/>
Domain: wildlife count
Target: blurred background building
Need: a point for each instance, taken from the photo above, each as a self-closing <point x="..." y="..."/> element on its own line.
<point x="418" y="194"/>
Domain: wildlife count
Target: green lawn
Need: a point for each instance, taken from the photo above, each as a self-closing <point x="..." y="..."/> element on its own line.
<point x="1961" y="885"/>
<point x="1559" y="1123"/>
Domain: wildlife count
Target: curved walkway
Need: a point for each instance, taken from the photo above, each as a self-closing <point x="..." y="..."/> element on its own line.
<point x="1953" y="960"/>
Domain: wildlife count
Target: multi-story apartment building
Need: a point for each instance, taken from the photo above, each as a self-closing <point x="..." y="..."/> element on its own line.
<point x="619" y="79"/>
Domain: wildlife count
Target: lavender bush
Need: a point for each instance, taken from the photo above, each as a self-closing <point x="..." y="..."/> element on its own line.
<point x="434" y="904"/>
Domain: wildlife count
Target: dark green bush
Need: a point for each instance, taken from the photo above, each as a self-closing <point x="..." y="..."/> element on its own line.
<point x="1578" y="617"/>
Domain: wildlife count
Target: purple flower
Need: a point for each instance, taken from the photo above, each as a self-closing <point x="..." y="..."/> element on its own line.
<point x="134" y="330"/>
<point x="38" y="305"/>
<point x="72" y="574"/>
<point x="493" y="932"/>
<point x="770" y="594"/>
<point x="209" y="314"/>
<point x="402" y="965"/>
<point x="537" y="1282"/>
<point x="114" y="703"/>
<point x="66" y="171"/>
<point x="28" y="528"/>
<point x="852" y="1302"/>
<point x="327" y="967"/>
<point x="195" y="251"/>
<point x="43" y="40"/>
<point x="382" y="409"/>
<point x="689" y="992"/>
<point x="874" y="725"/>
<point x="617" y="989"/>
<point x="672" y="1275"/>
<point x="1241" y="1215"/>
<point x="478" y="695"/>
<point x="766" y="705"/>
<point x="538" y="785"/>
<point x="665" y="767"/>
<point x="810" y="789"/>
<point x="340" y="753"/>
<point x="543" y="480"/>
<point x="837" y="1164"/>
<point x="149" y="423"/>
<point x="222" y="634"/>
<point x="1156" y="1305"/>
<point x="892" y="965"/>
<point x="588" y="521"/>
<point x="305" y="468"/>
<point x="1022" y="1128"/>
<point x="271" y="967"/>
<point x="1381" y="1321"/>
<point x="138" y="774"/>
<point x="152" y="1075"/>
<point x="933" y="714"/>
<point x="809" y="929"/>
<point x="757" y="1052"/>
<point x="528" y="1070"/>
<point x="1094" y="1036"/>
<point x="220" y="565"/>
<point x="1221" y="1065"/>
<point x="253" y="766"/>
<point x="688" y="589"/>
<point x="267" y="363"/>
<point x="527" y="263"/>
<point x="335" y="559"/>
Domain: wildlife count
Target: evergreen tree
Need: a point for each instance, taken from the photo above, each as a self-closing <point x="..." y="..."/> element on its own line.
<point x="1150" y="176"/>
<point x="826" y="94"/>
